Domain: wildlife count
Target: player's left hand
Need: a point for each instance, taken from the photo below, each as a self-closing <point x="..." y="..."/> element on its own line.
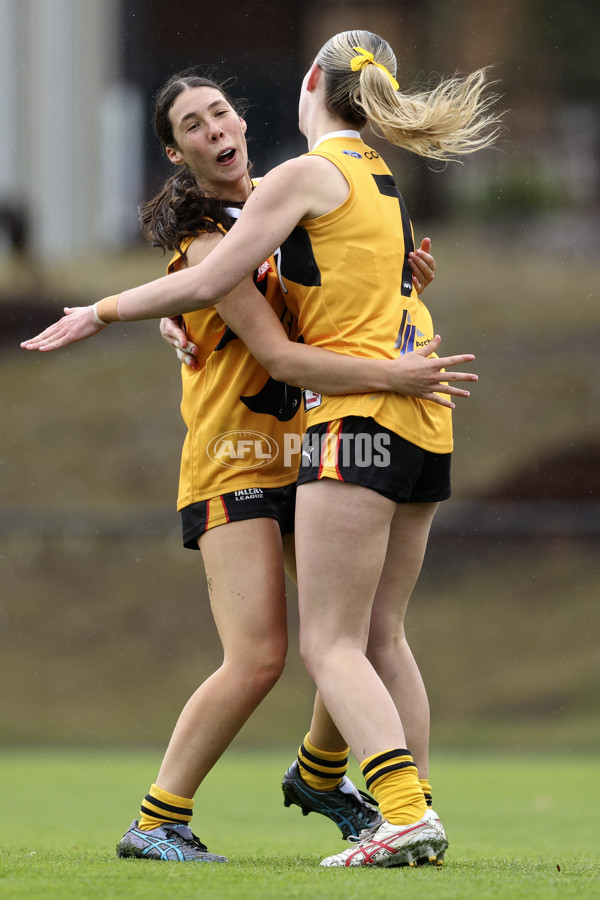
<point x="422" y="264"/>
<point x="77" y="324"/>
<point x="173" y="331"/>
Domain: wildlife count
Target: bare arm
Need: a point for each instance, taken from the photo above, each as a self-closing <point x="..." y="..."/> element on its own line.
<point x="241" y="251"/>
<point x="264" y="224"/>
<point x="324" y="371"/>
<point x="252" y="318"/>
<point x="231" y="260"/>
<point x="172" y="329"/>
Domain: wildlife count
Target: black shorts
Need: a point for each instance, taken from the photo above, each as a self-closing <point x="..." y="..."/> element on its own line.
<point x="359" y="451"/>
<point x="252" y="503"/>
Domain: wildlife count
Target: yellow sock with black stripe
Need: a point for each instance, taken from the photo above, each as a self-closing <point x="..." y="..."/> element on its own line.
<point x="426" y="788"/>
<point x="393" y="780"/>
<point x="322" y="770"/>
<point x="160" y="808"/>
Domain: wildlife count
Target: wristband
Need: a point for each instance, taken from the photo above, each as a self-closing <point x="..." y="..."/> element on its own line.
<point x="105" y="311"/>
<point x="96" y="317"/>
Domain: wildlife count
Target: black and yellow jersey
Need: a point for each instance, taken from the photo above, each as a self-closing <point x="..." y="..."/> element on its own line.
<point x="346" y="279"/>
<point x="244" y="428"/>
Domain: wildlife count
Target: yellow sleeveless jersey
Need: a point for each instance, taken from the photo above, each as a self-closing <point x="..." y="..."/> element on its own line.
<point x="347" y="280"/>
<point x="244" y="428"/>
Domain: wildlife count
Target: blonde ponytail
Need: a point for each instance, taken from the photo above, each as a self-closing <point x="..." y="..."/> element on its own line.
<point x="453" y="118"/>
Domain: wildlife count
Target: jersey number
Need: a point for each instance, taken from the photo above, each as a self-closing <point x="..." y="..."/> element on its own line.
<point x="406" y="334"/>
<point x="387" y="186"/>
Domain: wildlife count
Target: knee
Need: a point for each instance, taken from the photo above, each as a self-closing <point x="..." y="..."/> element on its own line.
<point x="313" y="653"/>
<point x="262" y="671"/>
<point x="269" y="672"/>
<point x="386" y="652"/>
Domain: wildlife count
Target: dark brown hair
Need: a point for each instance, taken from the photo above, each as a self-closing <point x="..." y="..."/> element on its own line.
<point x="181" y="209"/>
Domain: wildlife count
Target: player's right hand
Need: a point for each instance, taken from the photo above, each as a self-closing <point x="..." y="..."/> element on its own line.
<point x="77" y="324"/>
<point x="419" y="374"/>
<point x="173" y="332"/>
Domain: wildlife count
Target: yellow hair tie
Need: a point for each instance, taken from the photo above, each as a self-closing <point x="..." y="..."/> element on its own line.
<point x="364" y="58"/>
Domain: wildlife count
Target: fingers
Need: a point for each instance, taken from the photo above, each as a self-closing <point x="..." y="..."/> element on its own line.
<point x="442" y="362"/>
<point x="445" y="361"/>
<point x="422" y="264"/>
<point x="174" y="334"/>
<point x="48" y="339"/>
<point x="186" y="353"/>
<point x="451" y="376"/>
<point x="439" y="389"/>
<point x="429" y="348"/>
<point x="31" y="344"/>
<point x="436" y="367"/>
<point x="441" y="375"/>
<point x="458" y="376"/>
<point x="188" y="347"/>
<point x="454" y="376"/>
<point x="419" y="286"/>
<point x="450" y="389"/>
<point x="423" y="271"/>
<point x="42" y="345"/>
<point x="76" y="325"/>
<point x="188" y="359"/>
<point x="441" y="401"/>
<point x="45" y="342"/>
<point x="172" y="331"/>
<point x="423" y="259"/>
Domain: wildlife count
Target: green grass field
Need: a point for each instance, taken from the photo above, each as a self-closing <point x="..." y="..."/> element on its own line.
<point x="519" y="827"/>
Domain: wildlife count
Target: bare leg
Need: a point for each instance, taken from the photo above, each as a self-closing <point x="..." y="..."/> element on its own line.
<point x="388" y="649"/>
<point x="323" y="732"/>
<point x="342" y="533"/>
<point x="244" y="569"/>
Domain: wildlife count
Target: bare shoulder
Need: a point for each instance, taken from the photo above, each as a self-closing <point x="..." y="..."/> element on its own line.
<point x="314" y="179"/>
<point x="302" y="168"/>
<point x="201" y="246"/>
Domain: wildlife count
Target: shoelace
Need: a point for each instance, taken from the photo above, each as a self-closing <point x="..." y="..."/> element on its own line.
<point x="187" y="839"/>
<point x="363" y="834"/>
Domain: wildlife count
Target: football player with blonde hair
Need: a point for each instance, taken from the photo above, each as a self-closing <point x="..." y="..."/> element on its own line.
<point x="344" y="238"/>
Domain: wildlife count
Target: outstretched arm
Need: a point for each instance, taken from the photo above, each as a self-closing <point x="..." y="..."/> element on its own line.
<point x="252" y="318"/>
<point x="421" y="262"/>
<point x="240" y="252"/>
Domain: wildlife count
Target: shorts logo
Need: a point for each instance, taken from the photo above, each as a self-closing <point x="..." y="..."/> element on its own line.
<point x="242" y="450"/>
<point x="249" y="494"/>
<point x="311" y="400"/>
<point x="352" y="153"/>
